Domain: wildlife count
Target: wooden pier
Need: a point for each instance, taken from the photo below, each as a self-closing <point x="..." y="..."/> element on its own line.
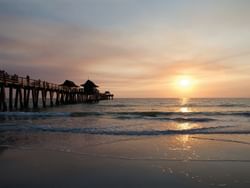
<point x="22" y="90"/>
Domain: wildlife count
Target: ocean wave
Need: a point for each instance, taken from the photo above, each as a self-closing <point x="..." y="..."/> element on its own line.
<point x="162" y="114"/>
<point x="103" y="131"/>
<point x="215" y="105"/>
<point x="232" y="105"/>
<point x="34" y="114"/>
<point x="48" y="114"/>
<point x="84" y="114"/>
<point x="181" y="116"/>
<point x="245" y="114"/>
<point x="159" y="113"/>
<point x="179" y="120"/>
<point x="116" y="105"/>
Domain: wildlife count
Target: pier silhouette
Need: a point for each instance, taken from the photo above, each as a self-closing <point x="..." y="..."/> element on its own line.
<point x="16" y="93"/>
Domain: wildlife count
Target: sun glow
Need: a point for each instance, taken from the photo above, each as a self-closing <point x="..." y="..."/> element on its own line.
<point x="185" y="83"/>
<point x="184" y="86"/>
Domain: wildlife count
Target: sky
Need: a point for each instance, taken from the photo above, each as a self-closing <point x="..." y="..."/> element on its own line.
<point x="135" y="48"/>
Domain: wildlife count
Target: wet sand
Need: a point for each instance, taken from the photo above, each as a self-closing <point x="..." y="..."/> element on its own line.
<point x="79" y="160"/>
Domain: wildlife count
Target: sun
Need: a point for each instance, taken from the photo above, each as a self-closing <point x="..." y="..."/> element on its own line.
<point x="185" y="83"/>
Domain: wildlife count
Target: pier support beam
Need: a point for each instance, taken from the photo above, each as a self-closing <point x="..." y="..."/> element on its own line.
<point x="66" y="101"/>
<point x="24" y="97"/>
<point x="3" y="105"/>
<point x="62" y="98"/>
<point x="10" y="98"/>
<point x="1" y="100"/>
<point x="16" y="99"/>
<point x="57" y="97"/>
<point x="51" y="96"/>
<point x="44" y="96"/>
<point x="27" y="98"/>
<point x="20" y="98"/>
<point x="35" y="95"/>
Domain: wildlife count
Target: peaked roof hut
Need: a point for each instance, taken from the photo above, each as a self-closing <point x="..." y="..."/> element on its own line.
<point x="69" y="84"/>
<point x="89" y="83"/>
<point x="90" y="87"/>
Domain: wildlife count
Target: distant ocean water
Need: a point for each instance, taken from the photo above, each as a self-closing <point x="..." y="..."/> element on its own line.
<point x="136" y="117"/>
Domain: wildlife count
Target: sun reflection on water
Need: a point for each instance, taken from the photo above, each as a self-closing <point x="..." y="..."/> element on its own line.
<point x="185" y="109"/>
<point x="184" y="101"/>
<point x="183" y="105"/>
<point x="183" y="126"/>
<point x="183" y="138"/>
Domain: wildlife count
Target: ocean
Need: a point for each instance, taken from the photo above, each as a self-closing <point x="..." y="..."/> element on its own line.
<point x="128" y="143"/>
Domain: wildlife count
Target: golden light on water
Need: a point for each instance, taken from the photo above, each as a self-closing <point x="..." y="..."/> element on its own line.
<point x="184" y="126"/>
<point x="185" y="109"/>
<point x="184" y="101"/>
<point x="183" y="138"/>
<point x="187" y="126"/>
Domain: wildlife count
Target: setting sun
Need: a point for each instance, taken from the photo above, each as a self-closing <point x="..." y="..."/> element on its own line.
<point x="185" y="83"/>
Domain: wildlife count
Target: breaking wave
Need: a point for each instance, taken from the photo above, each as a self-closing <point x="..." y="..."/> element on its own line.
<point x="128" y="113"/>
<point x="148" y="115"/>
<point x="107" y="131"/>
<point x="34" y="114"/>
<point x="179" y="120"/>
<point x="158" y="113"/>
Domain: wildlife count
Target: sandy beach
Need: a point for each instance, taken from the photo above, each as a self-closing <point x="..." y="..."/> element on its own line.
<point x="78" y="160"/>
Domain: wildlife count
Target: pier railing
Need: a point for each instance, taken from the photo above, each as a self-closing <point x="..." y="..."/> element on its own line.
<point x="16" y="80"/>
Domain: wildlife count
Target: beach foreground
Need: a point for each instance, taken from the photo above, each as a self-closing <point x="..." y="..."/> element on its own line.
<point x="50" y="149"/>
<point x="175" y="161"/>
